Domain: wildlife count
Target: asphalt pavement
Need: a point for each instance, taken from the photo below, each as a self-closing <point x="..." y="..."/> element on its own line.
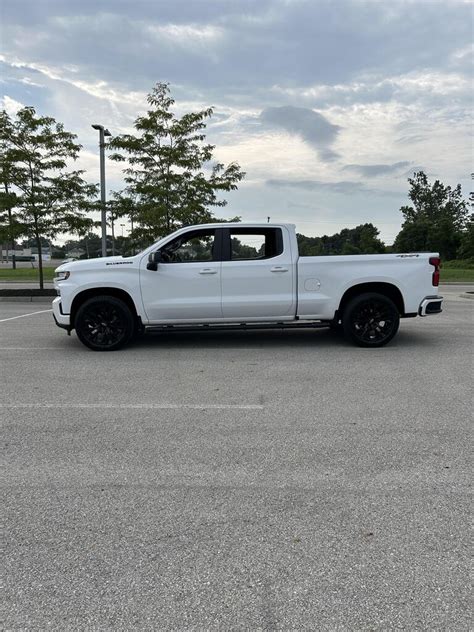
<point x="237" y="480"/>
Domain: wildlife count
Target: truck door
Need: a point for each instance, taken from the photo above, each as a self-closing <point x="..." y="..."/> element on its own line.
<point x="187" y="284"/>
<point x="257" y="274"/>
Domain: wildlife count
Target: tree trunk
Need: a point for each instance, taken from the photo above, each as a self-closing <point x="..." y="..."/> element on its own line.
<point x="12" y="240"/>
<point x="40" y="255"/>
<point x="40" y="262"/>
<point x="113" y="234"/>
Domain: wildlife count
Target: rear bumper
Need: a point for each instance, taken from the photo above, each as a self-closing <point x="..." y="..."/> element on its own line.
<point x="430" y="305"/>
<point x="61" y="320"/>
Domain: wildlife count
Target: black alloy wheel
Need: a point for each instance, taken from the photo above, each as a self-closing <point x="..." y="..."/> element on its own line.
<point x="104" y="323"/>
<point x="370" y="320"/>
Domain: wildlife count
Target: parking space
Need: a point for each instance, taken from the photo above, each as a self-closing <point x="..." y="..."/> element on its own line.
<point x="243" y="480"/>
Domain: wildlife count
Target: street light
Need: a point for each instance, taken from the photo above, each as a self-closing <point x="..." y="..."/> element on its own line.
<point x="102" y="133"/>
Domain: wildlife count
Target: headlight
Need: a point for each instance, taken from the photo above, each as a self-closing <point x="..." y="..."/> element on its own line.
<point x="62" y="276"/>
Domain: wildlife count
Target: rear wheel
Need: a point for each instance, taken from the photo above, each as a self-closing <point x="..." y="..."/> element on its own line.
<point x="104" y="323"/>
<point x="370" y="320"/>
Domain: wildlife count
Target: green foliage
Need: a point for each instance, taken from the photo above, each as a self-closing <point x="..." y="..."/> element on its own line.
<point x="243" y="251"/>
<point x="436" y="221"/>
<point x="458" y="264"/>
<point x="171" y="181"/>
<point x="360" y="240"/>
<point x="466" y="247"/>
<point x="49" y="198"/>
<point x="10" y="228"/>
<point x="457" y="275"/>
<point x="89" y="245"/>
<point x="27" y="273"/>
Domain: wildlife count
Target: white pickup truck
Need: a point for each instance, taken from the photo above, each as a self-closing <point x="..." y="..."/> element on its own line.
<point x="242" y="276"/>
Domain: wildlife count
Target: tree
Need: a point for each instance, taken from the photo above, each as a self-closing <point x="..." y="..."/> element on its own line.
<point x="90" y="243"/>
<point x="50" y="199"/>
<point x="362" y="239"/>
<point x="10" y="228"/>
<point x="466" y="248"/>
<point x="170" y="178"/>
<point x="436" y="220"/>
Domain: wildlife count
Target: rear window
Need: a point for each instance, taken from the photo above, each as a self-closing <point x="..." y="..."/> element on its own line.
<point x="252" y="244"/>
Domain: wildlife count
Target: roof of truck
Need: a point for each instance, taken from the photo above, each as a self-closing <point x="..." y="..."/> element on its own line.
<point x="241" y="225"/>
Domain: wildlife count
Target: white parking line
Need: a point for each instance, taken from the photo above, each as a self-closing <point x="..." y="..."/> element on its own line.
<point x="140" y="406"/>
<point x="4" y="320"/>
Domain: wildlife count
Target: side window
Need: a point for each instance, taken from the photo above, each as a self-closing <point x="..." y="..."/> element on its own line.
<point x="196" y="246"/>
<point x="248" y="244"/>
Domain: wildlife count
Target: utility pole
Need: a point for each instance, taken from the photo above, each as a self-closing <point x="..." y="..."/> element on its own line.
<point x="112" y="219"/>
<point x="102" y="133"/>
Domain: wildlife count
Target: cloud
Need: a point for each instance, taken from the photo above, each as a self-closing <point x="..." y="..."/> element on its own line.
<point x="344" y="187"/>
<point x="11" y="106"/>
<point x="256" y="40"/>
<point x="410" y="139"/>
<point x="390" y="81"/>
<point x="372" y="171"/>
<point x="424" y="86"/>
<point x="310" y="125"/>
<point x="99" y="88"/>
<point x="188" y="34"/>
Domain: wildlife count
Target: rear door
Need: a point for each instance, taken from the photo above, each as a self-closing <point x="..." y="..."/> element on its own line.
<point x="257" y="274"/>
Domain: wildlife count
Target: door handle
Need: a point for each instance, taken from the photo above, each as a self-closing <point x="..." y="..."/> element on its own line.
<point x="208" y="271"/>
<point x="278" y="269"/>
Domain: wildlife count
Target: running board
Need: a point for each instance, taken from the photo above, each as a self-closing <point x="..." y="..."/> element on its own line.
<point x="238" y="327"/>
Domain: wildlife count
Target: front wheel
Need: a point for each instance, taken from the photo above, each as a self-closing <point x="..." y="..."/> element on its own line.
<point x="370" y="320"/>
<point x="104" y="323"/>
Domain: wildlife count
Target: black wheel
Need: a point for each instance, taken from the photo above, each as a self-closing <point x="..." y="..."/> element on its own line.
<point x="370" y="320"/>
<point x="104" y="323"/>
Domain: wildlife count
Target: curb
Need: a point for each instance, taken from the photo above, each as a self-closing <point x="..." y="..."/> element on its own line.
<point x="23" y="282"/>
<point x="26" y="299"/>
<point x="28" y="292"/>
<point x="468" y="295"/>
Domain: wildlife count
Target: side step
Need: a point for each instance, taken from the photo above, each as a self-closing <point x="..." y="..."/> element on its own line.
<point x="238" y="326"/>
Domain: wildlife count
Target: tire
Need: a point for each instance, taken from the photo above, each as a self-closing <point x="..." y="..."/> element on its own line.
<point x="104" y="323"/>
<point x="370" y="320"/>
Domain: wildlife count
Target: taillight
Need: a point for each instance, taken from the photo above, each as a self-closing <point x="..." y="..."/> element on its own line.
<point x="436" y="262"/>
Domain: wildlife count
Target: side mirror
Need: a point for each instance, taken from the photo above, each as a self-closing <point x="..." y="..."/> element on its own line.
<point x="154" y="259"/>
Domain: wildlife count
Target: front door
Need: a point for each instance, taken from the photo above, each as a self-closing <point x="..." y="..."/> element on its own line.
<point x="187" y="284"/>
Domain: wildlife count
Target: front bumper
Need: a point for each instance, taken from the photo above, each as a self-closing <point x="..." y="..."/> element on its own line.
<point x="61" y="320"/>
<point x="430" y="305"/>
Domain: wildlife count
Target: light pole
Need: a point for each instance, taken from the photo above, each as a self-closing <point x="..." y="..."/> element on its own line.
<point x="102" y="133"/>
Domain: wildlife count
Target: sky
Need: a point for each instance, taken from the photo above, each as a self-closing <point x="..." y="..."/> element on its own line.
<point x="327" y="105"/>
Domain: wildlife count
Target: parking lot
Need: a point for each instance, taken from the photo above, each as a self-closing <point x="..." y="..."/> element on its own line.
<point x="243" y="480"/>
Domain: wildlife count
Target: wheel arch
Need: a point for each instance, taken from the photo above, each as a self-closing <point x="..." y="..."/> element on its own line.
<point x="83" y="296"/>
<point x="386" y="289"/>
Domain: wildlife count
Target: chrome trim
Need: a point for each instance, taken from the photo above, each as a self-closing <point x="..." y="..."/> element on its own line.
<point x="427" y="301"/>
